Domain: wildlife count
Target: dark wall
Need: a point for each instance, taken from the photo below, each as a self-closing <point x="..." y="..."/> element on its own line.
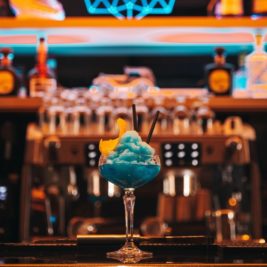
<point x="181" y="8"/>
<point x="170" y="71"/>
<point x="189" y="7"/>
<point x="12" y="138"/>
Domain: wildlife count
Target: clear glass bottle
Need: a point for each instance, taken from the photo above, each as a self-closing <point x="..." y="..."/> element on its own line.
<point x="240" y="77"/>
<point x="181" y="122"/>
<point x="256" y="64"/>
<point x="205" y="120"/>
<point x="42" y="79"/>
<point x="81" y="117"/>
<point x="104" y="115"/>
<point x="142" y="115"/>
<point x="163" y="119"/>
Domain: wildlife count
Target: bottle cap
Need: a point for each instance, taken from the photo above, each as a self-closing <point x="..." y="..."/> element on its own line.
<point x="219" y="51"/>
<point x="6" y="53"/>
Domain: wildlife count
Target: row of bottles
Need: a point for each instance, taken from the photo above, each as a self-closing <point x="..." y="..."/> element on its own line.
<point x="250" y="78"/>
<point x="221" y="8"/>
<point x="41" y="78"/>
<point x="219" y="75"/>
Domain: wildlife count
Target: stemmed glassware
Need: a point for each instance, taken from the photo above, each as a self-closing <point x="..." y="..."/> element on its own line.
<point x="129" y="176"/>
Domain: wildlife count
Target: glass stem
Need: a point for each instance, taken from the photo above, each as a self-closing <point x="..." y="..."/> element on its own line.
<point x="129" y="201"/>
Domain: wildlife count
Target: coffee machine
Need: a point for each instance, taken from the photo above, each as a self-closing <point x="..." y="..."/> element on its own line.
<point x="217" y="173"/>
<point x="208" y="167"/>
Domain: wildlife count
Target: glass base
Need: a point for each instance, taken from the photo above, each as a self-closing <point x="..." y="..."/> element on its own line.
<point x="129" y="253"/>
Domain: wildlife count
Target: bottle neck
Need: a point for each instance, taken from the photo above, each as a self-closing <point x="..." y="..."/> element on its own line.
<point x="41" y="63"/>
<point x="258" y="43"/>
<point x="219" y="60"/>
<point x="42" y="57"/>
<point x="6" y="62"/>
<point x="42" y="69"/>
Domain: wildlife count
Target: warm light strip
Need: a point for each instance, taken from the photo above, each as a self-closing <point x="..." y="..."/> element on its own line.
<point x="196" y="22"/>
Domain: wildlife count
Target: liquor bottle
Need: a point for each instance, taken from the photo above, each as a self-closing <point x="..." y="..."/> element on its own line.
<point x="240" y="77"/>
<point x="5" y="10"/>
<point x="259" y="8"/>
<point x="219" y="75"/>
<point x="9" y="77"/>
<point x="42" y="79"/>
<point x="221" y="8"/>
<point x="256" y="64"/>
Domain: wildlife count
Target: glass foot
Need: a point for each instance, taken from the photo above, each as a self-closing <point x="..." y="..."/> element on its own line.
<point x="129" y="253"/>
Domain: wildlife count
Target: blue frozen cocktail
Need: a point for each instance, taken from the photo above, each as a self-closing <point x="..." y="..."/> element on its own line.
<point x="128" y="162"/>
<point x="132" y="164"/>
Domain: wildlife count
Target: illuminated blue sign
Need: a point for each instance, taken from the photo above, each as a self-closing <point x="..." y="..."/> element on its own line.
<point x="129" y="9"/>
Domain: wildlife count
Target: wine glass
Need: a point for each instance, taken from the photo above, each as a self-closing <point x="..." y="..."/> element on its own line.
<point x="129" y="175"/>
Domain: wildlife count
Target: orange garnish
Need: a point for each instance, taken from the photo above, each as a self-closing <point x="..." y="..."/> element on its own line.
<point x="107" y="146"/>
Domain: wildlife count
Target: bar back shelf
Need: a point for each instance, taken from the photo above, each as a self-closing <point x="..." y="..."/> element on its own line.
<point x="150" y="36"/>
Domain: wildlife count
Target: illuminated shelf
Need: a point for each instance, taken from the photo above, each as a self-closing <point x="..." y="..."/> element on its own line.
<point x="16" y="104"/>
<point x="149" y="36"/>
<point x="195" y="22"/>
<point x="242" y="105"/>
<point x="218" y="104"/>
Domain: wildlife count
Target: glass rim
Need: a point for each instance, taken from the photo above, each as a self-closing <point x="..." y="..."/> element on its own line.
<point x="141" y="154"/>
<point x="132" y="163"/>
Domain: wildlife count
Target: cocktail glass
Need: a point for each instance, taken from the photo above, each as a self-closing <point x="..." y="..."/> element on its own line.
<point x="129" y="176"/>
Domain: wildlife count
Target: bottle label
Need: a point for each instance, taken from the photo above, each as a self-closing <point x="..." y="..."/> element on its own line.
<point x="259" y="6"/>
<point x="40" y="86"/>
<point x="219" y="81"/>
<point x="6" y="83"/>
<point x="257" y="73"/>
<point x="231" y="7"/>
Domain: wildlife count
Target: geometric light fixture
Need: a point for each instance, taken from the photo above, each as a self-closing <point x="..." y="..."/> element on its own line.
<point x="129" y="9"/>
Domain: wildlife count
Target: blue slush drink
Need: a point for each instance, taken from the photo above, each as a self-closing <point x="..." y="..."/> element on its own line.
<point x="131" y="164"/>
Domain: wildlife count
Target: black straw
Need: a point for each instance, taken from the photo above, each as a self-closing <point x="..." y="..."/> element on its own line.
<point x="152" y="127"/>
<point x="135" y="122"/>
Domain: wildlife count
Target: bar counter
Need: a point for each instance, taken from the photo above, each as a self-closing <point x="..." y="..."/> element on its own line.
<point x="177" y="251"/>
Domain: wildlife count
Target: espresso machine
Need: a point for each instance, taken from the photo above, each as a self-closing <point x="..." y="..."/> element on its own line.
<point x="209" y="173"/>
<point x="207" y="168"/>
<point x="61" y="184"/>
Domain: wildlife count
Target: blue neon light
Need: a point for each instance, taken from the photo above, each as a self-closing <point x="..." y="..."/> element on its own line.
<point x="129" y="9"/>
